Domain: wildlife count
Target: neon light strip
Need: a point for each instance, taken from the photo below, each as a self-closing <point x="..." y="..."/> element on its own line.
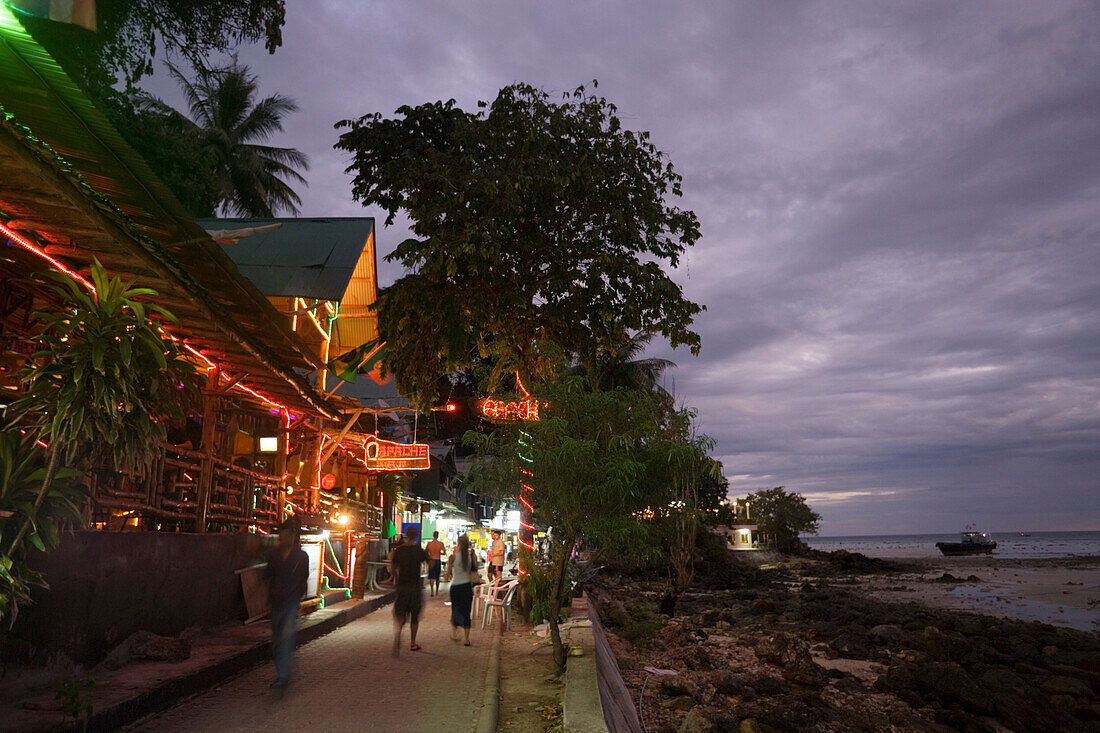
<point x="311" y="315"/>
<point x="26" y="244"/>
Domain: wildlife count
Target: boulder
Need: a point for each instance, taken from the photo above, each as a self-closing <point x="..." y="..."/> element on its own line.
<point x="781" y="649"/>
<point x="768" y="685"/>
<point x="147" y="646"/>
<point x="677" y="686"/>
<point x="1070" y="686"/>
<point x="945" y="646"/>
<point x="852" y="646"/>
<point x="695" y="721"/>
<point x="729" y="683"/>
<point x="952" y="684"/>
<point x="889" y="635"/>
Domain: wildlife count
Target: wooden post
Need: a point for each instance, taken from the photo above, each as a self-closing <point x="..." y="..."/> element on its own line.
<point x="209" y="420"/>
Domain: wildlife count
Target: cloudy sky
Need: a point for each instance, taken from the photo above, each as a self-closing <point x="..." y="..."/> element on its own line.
<point x="900" y="205"/>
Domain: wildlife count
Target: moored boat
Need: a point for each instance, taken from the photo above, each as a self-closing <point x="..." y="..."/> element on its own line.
<point x="972" y="543"/>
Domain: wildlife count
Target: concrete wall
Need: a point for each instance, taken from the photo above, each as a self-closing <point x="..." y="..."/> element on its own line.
<point x="106" y="585"/>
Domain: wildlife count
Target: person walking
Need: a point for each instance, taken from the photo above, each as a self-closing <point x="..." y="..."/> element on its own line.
<point x="405" y="567"/>
<point x="435" y="550"/>
<point x="287" y="571"/>
<point x="461" y="569"/>
<point x="496" y="556"/>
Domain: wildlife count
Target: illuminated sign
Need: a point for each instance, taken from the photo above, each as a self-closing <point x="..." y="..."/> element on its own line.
<point x="386" y="455"/>
<point x="502" y="411"/>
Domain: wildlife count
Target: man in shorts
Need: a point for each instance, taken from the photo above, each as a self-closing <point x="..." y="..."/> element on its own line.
<point x="435" y="550"/>
<point x="496" y="555"/>
<point x="405" y="567"/>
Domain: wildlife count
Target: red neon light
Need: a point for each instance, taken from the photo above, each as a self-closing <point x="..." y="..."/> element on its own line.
<point x="26" y="244"/>
<point x="386" y="455"/>
<point x="527" y="504"/>
<point x="500" y="410"/>
<point x="30" y="247"/>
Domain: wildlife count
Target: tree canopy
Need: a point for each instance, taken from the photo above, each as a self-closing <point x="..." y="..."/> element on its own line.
<point x="129" y="32"/>
<point x="783" y="515"/>
<point x="542" y="229"/>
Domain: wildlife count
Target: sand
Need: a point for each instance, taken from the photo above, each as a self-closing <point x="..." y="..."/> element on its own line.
<point x="1061" y="592"/>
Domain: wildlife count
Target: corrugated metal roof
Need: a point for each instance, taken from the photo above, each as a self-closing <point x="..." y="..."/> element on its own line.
<point x="304" y="257"/>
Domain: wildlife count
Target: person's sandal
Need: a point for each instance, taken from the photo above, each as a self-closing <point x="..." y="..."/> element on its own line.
<point x="414" y="648"/>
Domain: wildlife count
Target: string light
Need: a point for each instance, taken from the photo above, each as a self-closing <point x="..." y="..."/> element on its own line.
<point x="27" y="245"/>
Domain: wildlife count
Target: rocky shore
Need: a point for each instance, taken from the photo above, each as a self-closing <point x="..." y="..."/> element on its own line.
<point x="815" y="644"/>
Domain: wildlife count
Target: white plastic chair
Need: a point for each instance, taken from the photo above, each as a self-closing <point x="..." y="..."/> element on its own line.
<point x="501" y="598"/>
<point x="483" y="591"/>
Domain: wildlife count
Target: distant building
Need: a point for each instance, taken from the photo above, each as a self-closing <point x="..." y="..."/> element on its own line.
<point x="741" y="536"/>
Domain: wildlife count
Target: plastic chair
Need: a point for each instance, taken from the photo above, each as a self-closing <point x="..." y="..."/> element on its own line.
<point x="483" y="591"/>
<point x="501" y="598"/>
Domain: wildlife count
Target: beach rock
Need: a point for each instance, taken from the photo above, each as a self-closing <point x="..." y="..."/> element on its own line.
<point x="684" y="702"/>
<point x="1065" y="670"/>
<point x="852" y="646"/>
<point x="913" y="655"/>
<point x="1019" y="704"/>
<point x="947" y="578"/>
<point x="952" y="683"/>
<point x="768" y="685"/>
<point x="698" y="658"/>
<point x="781" y="649"/>
<point x="678" y="686"/>
<point x="748" y="725"/>
<point x="696" y="721"/>
<point x="849" y="683"/>
<point x="147" y="646"/>
<point x="889" y="635"/>
<point x="1070" y="686"/>
<point x="945" y="647"/>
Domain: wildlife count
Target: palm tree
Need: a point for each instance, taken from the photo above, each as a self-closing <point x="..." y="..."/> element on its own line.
<point x="608" y="370"/>
<point x="231" y="126"/>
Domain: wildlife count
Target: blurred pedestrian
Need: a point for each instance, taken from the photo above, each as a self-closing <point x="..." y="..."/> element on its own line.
<point x="461" y="569"/>
<point x="287" y="571"/>
<point x="435" y="550"/>
<point x="405" y="567"/>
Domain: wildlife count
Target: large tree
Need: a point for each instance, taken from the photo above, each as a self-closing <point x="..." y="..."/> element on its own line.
<point x="783" y="515"/>
<point x="542" y="228"/>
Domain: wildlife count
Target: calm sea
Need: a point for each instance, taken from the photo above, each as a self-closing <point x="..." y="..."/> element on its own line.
<point x="1016" y="545"/>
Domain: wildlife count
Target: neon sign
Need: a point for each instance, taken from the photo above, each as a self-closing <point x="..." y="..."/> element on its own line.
<point x="502" y="411"/>
<point x="386" y="455"/>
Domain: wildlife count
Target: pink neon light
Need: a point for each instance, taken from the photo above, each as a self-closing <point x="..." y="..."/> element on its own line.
<point x="26" y="244"/>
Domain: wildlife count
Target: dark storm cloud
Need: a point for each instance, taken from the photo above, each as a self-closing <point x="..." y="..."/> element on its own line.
<point x="899" y="203"/>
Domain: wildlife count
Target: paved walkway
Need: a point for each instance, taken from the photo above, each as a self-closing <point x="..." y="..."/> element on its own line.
<point x="347" y="680"/>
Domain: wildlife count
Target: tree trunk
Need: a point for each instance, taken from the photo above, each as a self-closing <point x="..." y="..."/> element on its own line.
<point x="51" y="469"/>
<point x="560" y="652"/>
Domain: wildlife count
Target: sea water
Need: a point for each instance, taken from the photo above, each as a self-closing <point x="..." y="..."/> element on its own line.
<point x="1010" y="545"/>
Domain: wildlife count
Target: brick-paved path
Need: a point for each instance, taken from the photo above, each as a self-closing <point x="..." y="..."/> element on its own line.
<point x="347" y="681"/>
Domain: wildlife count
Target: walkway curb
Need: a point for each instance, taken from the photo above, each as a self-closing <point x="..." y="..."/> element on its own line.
<point x="173" y="691"/>
<point x="489" y="716"/>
